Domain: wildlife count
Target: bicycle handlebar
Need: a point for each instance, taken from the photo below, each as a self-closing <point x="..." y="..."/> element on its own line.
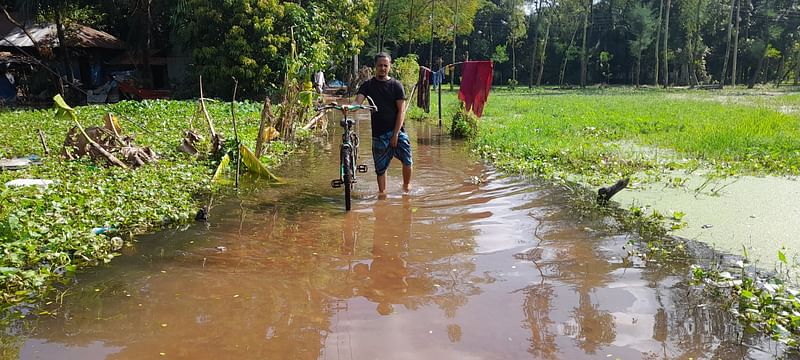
<point x="352" y="107"/>
<point x="348" y="107"/>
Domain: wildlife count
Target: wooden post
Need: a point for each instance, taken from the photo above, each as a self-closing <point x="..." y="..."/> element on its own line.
<point x="236" y="133"/>
<point x="440" y="92"/>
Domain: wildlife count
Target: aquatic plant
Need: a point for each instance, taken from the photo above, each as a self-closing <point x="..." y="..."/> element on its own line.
<point x="764" y="303"/>
<point x="46" y="233"/>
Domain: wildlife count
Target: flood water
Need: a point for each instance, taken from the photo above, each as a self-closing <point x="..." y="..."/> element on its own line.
<point x="470" y="265"/>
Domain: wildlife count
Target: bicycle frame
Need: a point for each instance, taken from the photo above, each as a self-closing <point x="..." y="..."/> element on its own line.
<point x="348" y="151"/>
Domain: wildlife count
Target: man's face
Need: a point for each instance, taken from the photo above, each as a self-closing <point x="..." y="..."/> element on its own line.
<point x="382" y="67"/>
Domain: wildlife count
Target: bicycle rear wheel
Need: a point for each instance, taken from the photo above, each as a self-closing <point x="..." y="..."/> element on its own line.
<point x="347" y="175"/>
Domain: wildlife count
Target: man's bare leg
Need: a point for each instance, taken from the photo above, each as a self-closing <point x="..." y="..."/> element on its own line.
<point x="406" y="178"/>
<point x="382" y="184"/>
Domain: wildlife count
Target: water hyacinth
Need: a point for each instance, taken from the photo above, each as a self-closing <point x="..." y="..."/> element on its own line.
<point x="48" y="232"/>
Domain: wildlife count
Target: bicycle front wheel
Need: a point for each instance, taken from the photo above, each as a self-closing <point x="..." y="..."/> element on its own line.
<point x="347" y="175"/>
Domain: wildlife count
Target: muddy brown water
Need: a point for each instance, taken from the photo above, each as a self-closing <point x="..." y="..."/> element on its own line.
<point x="471" y="265"/>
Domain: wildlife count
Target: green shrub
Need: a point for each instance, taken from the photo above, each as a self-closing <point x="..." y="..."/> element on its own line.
<point x="464" y="125"/>
<point x="406" y="69"/>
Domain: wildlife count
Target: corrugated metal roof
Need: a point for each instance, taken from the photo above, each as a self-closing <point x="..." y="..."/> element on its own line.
<point x="9" y="58"/>
<point x="84" y="37"/>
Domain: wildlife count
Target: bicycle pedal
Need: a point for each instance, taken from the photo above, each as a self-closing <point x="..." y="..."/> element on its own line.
<point x="336" y="183"/>
<point x="362" y="168"/>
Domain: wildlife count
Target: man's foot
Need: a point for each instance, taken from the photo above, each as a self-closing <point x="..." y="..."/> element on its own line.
<point x="406" y="189"/>
<point x="381" y="196"/>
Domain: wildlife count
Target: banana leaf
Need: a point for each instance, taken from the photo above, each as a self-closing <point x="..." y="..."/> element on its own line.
<point x="63" y="110"/>
<point x="255" y="167"/>
<point x="223" y="164"/>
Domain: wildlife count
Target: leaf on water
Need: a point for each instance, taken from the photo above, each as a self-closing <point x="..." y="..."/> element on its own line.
<point x="223" y="164"/>
<point x="255" y="166"/>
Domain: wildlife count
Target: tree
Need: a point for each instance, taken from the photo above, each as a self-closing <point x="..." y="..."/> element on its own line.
<point x="658" y="38"/>
<point x="605" y="65"/>
<point x="250" y="39"/>
<point x="729" y="25"/>
<point x="55" y="10"/>
<point x="642" y="26"/>
<point x="736" y="43"/>
<point x="516" y="24"/>
<point x="584" y="54"/>
<point x="666" y="43"/>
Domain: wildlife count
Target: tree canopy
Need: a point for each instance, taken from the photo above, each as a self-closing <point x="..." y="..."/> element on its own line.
<point x="668" y="42"/>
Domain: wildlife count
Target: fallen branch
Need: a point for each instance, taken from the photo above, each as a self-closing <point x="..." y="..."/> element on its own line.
<point x="63" y="109"/>
<point x="408" y="103"/>
<point x="44" y="143"/>
<point x="211" y="130"/>
<point x="314" y="120"/>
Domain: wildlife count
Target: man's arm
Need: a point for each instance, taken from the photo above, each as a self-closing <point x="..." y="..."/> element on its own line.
<point x="398" y="123"/>
<point x="359" y="99"/>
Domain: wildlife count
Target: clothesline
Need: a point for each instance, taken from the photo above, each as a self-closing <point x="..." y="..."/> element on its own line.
<point x="448" y="65"/>
<point x="476" y="82"/>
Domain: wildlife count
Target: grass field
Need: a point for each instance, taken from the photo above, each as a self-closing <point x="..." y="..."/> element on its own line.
<point x="607" y="133"/>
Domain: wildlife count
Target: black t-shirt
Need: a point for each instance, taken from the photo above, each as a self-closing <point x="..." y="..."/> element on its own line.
<point x="385" y="95"/>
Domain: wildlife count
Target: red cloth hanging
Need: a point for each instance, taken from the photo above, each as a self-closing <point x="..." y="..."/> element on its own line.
<point x="476" y="81"/>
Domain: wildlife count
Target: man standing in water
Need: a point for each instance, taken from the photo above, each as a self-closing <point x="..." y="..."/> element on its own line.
<point x="389" y="138"/>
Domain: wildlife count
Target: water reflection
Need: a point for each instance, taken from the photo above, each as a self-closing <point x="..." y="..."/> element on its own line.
<point x="386" y="276"/>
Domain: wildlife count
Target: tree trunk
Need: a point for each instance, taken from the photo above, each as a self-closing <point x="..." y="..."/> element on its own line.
<point x="513" y="42"/>
<point x="535" y="44"/>
<point x="796" y="69"/>
<point x="455" y="35"/>
<point x="62" y="47"/>
<point x="666" y="44"/>
<point x="724" y="72"/>
<point x="695" y="45"/>
<point x="544" y="53"/>
<point x="736" y="44"/>
<point x="690" y="65"/>
<point x="533" y="61"/>
<point x="638" y="66"/>
<point x="147" y="72"/>
<point x="778" y="72"/>
<point x="752" y="82"/>
<point x="566" y="58"/>
<point x="658" y="39"/>
<point x="583" y="45"/>
<point x="379" y="20"/>
<point x="433" y="21"/>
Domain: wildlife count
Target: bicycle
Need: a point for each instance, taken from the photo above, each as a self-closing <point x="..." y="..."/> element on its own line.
<point x="348" y="151"/>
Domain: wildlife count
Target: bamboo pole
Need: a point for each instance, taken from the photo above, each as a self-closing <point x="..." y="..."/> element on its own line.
<point x="236" y="132"/>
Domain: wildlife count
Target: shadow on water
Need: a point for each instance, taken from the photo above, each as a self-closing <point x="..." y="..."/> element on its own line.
<point x="470" y="265"/>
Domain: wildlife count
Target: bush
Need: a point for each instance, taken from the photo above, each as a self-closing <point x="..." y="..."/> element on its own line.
<point x="406" y="69"/>
<point x="464" y="124"/>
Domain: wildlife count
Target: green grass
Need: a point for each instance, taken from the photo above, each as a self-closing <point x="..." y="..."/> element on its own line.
<point x="595" y="133"/>
<point x="47" y="233"/>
